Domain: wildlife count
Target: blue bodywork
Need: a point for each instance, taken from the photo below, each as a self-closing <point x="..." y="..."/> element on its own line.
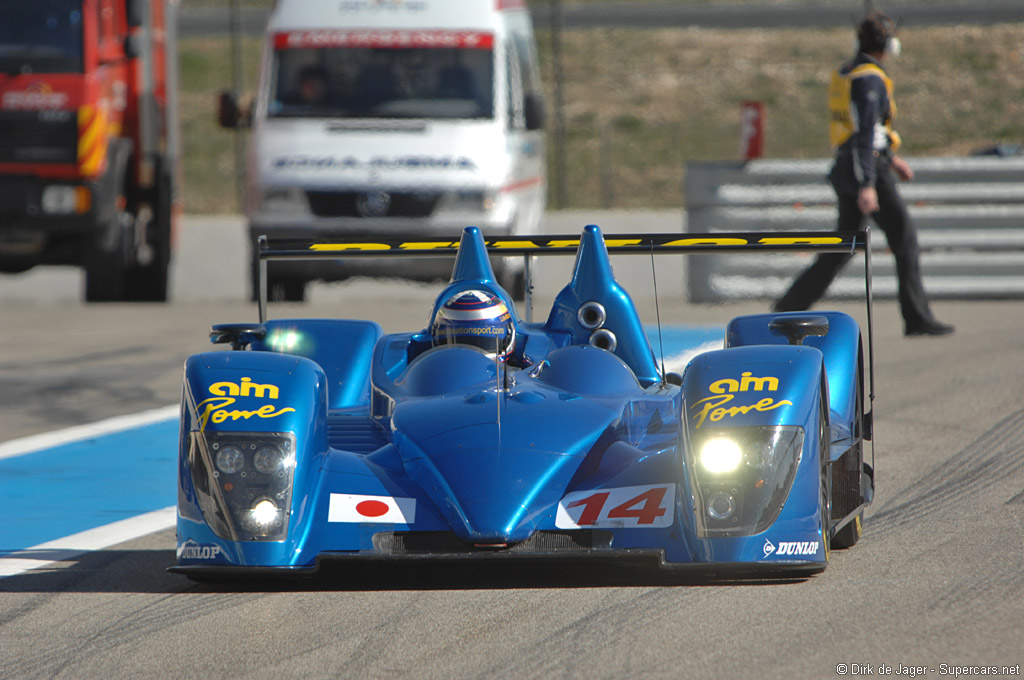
<point x="330" y="440"/>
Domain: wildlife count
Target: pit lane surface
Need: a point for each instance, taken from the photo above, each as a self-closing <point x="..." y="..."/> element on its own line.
<point x="938" y="577"/>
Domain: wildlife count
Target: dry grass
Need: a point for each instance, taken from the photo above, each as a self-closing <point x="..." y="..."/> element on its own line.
<point x="661" y="98"/>
<point x="639" y="104"/>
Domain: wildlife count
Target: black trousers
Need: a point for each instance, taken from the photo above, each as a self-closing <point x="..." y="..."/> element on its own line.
<point x="892" y="218"/>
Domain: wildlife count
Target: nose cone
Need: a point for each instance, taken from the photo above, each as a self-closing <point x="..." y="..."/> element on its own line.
<point x="496" y="482"/>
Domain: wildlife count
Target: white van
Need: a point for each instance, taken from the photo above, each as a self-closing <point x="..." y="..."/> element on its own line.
<point x="400" y="119"/>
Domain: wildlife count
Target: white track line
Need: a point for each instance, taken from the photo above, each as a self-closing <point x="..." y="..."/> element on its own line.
<point x="92" y="539"/>
<point x="86" y="541"/>
<point x="48" y="440"/>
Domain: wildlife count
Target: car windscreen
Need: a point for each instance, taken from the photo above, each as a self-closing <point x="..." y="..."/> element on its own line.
<point x="41" y="37"/>
<point x="395" y="74"/>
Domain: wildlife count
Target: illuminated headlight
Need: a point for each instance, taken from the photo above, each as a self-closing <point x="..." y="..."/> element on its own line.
<point x="61" y="199"/>
<point x="263" y="517"/>
<point x="742" y="477"/>
<point x="720" y="455"/>
<point x="284" y="199"/>
<point x="243" y="482"/>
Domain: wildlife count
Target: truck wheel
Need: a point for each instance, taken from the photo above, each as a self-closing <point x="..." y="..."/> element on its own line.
<point x="105" y="276"/>
<point x="148" y="282"/>
<point x="105" y="261"/>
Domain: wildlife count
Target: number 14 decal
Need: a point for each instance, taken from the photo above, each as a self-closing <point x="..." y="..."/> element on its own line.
<point x="625" y="507"/>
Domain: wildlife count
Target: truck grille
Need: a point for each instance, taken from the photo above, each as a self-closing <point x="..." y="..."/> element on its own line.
<point x="38" y="137"/>
<point x="372" y="204"/>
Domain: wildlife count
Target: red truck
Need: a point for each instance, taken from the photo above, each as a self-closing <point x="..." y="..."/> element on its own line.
<point x="89" y="142"/>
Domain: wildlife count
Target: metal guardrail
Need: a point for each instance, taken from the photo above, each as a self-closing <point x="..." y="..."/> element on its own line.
<point x="969" y="213"/>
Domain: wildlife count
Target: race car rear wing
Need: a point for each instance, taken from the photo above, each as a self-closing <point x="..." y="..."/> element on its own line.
<point x="531" y="246"/>
<point x="547" y="244"/>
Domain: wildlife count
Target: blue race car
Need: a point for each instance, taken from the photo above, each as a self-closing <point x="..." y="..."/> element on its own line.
<point x="491" y="438"/>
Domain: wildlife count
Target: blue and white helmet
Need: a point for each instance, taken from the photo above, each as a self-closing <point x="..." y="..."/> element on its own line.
<point x="475" y="317"/>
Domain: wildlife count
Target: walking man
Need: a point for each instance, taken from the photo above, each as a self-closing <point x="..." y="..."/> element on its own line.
<point x="864" y="173"/>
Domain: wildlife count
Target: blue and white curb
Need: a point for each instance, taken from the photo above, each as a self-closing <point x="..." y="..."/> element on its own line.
<point x="86" y="488"/>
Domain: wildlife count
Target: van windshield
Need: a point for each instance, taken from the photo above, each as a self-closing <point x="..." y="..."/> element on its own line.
<point x="383" y="77"/>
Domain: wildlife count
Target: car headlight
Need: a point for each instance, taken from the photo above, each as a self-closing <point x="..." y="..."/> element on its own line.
<point x="243" y="482"/>
<point x="230" y="460"/>
<point x="743" y="476"/>
<point x="720" y="455"/>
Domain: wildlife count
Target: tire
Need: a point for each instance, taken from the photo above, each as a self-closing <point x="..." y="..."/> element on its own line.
<point x="105" y="271"/>
<point x="149" y="282"/>
<point x="279" y="288"/>
<point x="286" y="290"/>
<point x="848" y="536"/>
<point x="105" y="261"/>
<point x="824" y="431"/>
<point x="512" y="280"/>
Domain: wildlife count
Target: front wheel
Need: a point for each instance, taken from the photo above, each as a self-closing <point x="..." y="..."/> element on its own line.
<point x="848" y="536"/>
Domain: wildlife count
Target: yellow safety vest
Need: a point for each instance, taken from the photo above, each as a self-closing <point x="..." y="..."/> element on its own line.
<point x="841" y="124"/>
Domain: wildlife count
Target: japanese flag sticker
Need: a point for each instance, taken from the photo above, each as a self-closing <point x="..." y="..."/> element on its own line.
<point x="346" y="507"/>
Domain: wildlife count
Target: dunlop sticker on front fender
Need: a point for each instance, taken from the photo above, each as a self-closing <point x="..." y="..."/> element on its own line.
<point x="724" y="392"/>
<point x="216" y="409"/>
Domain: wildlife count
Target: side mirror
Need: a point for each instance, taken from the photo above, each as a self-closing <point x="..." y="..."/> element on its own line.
<point x="137" y="11"/>
<point x="534" y="112"/>
<point x="239" y="335"/>
<point x="228" y="113"/>
<point x="132" y="48"/>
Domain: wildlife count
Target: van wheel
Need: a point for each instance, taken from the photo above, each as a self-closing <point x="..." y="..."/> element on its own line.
<point x="286" y="290"/>
<point x="514" y="282"/>
<point x="279" y="288"/>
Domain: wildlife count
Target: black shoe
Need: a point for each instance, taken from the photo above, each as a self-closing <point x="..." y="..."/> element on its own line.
<point x="930" y="327"/>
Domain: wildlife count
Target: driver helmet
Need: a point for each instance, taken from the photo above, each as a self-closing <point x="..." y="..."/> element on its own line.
<point x="475" y="317"/>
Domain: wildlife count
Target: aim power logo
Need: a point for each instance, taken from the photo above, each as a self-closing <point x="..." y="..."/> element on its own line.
<point x="725" y="390"/>
<point x="214" y="409"/>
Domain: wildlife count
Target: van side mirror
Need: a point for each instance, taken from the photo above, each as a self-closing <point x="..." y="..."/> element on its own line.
<point x="534" y="112"/>
<point x="230" y="114"/>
